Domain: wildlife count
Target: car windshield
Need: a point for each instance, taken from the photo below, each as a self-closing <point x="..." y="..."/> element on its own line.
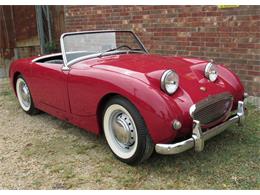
<point x="92" y="44"/>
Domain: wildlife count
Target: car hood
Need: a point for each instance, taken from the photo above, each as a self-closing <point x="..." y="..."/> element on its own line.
<point x="149" y="69"/>
<point x="144" y="65"/>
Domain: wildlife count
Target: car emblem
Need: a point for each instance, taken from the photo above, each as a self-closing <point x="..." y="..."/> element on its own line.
<point x="203" y="89"/>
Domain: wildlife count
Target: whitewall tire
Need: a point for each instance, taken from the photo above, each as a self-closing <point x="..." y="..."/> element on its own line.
<point x="24" y="96"/>
<point x="126" y="132"/>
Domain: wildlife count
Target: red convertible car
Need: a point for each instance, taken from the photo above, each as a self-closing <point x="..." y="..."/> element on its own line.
<point x="107" y="82"/>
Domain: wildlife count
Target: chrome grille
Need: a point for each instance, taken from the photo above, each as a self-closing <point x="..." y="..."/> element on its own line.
<point x="212" y="109"/>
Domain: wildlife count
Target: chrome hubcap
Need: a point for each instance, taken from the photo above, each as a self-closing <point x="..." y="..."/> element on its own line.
<point x="123" y="129"/>
<point x="25" y="94"/>
<point x="120" y="131"/>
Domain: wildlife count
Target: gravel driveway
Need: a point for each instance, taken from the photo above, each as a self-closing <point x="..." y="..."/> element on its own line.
<point x="42" y="152"/>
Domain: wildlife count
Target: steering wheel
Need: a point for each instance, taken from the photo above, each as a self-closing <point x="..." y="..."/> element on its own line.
<point x="122" y="46"/>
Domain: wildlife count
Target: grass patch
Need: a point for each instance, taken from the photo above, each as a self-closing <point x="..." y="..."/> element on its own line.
<point x="62" y="156"/>
<point x="6" y="93"/>
<point x="82" y="149"/>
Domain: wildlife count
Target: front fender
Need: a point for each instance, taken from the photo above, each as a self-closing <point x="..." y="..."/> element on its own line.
<point x="21" y="66"/>
<point x="87" y="87"/>
<point x="233" y="84"/>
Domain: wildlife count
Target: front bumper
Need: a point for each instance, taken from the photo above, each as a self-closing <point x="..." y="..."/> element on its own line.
<point x="198" y="137"/>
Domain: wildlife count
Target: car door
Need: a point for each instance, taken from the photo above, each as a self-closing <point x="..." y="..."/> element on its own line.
<point x="49" y="82"/>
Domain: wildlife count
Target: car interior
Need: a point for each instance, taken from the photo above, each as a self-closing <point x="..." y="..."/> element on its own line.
<point x="57" y="59"/>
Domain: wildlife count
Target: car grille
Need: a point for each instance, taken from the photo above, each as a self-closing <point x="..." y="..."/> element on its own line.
<point x="213" y="109"/>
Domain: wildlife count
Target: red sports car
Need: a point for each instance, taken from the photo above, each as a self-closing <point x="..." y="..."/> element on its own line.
<point x="106" y="81"/>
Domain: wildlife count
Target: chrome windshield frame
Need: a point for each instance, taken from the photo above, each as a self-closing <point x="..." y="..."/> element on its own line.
<point x="46" y="56"/>
<point x="66" y="64"/>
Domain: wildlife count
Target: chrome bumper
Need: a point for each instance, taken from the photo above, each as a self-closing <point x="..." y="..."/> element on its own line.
<point x="198" y="137"/>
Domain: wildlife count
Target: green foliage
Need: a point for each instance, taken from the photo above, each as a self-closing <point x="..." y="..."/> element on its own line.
<point x="50" y="47"/>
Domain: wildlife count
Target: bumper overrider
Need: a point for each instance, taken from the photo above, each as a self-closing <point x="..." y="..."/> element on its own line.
<point x="198" y="137"/>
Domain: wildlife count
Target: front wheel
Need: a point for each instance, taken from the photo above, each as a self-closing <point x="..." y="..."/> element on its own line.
<point x="126" y="132"/>
<point x="24" y="96"/>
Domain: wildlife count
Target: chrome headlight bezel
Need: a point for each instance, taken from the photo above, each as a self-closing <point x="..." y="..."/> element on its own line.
<point x="165" y="82"/>
<point x="211" y="72"/>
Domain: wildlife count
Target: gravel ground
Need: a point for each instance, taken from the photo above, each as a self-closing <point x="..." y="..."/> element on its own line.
<point x="42" y="152"/>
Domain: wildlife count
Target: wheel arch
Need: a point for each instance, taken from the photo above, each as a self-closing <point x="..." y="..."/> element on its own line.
<point x="101" y="106"/>
<point x="156" y="124"/>
<point x="15" y="77"/>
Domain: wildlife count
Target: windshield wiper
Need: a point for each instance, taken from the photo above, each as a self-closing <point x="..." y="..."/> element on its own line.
<point x="119" y="47"/>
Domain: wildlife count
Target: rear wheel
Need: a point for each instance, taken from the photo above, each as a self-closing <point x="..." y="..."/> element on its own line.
<point x="126" y="132"/>
<point x="24" y="96"/>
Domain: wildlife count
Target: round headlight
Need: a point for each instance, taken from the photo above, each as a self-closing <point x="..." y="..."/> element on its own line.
<point x="211" y="72"/>
<point x="169" y="81"/>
